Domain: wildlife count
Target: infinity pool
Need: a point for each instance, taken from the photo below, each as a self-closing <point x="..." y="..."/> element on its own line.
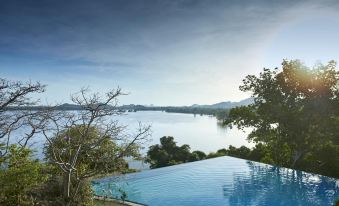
<point x="222" y="181"/>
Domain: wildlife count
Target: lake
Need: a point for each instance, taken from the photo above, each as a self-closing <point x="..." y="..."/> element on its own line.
<point x="200" y="132"/>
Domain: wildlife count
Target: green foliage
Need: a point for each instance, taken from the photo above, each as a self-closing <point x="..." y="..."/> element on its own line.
<point x="197" y="155"/>
<point x="242" y="152"/>
<point x="51" y="193"/>
<point x="219" y="153"/>
<point x="19" y="175"/>
<point x="99" y="155"/>
<point x="295" y="114"/>
<point x="220" y="114"/>
<point x="168" y="153"/>
<point x="258" y="153"/>
<point x="323" y="160"/>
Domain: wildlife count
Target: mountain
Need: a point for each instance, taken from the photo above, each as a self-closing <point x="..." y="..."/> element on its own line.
<point x="220" y="105"/>
<point x="226" y="105"/>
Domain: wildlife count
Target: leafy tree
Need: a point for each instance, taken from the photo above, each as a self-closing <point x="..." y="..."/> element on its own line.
<point x="96" y="144"/>
<point x="99" y="155"/>
<point x="295" y="111"/>
<point x="168" y="153"/>
<point x="104" y="156"/>
<point x="197" y="155"/>
<point x="88" y="143"/>
<point x="258" y="153"/>
<point x="19" y="175"/>
<point x="183" y="153"/>
<point x="242" y="152"/>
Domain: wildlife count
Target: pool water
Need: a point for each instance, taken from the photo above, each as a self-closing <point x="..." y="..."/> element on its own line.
<point x="222" y="181"/>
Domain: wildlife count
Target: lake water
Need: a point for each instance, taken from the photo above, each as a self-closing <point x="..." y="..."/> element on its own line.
<point x="200" y="132"/>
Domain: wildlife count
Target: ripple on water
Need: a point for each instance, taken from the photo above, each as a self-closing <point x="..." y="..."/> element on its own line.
<point x="223" y="181"/>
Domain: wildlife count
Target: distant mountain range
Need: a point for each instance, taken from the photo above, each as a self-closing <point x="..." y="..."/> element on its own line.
<point x="134" y="107"/>
<point x="226" y="105"/>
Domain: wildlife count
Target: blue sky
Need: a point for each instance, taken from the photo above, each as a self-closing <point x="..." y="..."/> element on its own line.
<point x="174" y="52"/>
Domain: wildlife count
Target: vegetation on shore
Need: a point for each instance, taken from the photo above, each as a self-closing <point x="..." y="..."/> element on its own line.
<point x="295" y="121"/>
<point x="219" y="113"/>
<point x="169" y="153"/>
<point x="79" y="146"/>
<point x="295" y="116"/>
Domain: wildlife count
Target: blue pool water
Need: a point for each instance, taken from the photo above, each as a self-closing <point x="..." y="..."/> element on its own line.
<point x="222" y="181"/>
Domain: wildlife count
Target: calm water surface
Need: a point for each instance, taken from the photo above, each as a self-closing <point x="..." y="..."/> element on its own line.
<point x="222" y="181"/>
<point x="200" y="132"/>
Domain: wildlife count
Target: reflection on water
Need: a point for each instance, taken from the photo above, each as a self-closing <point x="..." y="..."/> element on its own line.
<point x="268" y="185"/>
<point x="223" y="181"/>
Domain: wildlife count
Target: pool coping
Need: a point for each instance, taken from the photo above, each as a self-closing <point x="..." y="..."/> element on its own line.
<point x="123" y="202"/>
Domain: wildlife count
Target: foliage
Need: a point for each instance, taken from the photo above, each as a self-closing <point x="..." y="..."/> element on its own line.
<point x="81" y="144"/>
<point x="161" y="156"/>
<point x="294" y="114"/>
<point x="19" y="175"/>
<point x="168" y="153"/>
<point x="197" y="155"/>
<point x="219" y="113"/>
<point x="219" y="153"/>
<point x="51" y="192"/>
<point x="88" y="143"/>
<point x="258" y="153"/>
<point x="99" y="154"/>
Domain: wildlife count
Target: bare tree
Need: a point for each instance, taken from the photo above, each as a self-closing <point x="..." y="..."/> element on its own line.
<point x="88" y="142"/>
<point x="15" y="102"/>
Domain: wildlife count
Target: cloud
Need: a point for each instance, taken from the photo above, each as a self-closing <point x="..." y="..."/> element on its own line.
<point x="200" y="46"/>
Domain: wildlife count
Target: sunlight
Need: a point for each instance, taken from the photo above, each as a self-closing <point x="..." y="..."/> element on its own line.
<point x="310" y="38"/>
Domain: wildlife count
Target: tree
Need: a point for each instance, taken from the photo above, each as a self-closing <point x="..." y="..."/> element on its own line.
<point x="168" y="153"/>
<point x="19" y="175"/>
<point x="88" y="142"/>
<point x="197" y="155"/>
<point x="295" y="111"/>
<point x="242" y="152"/>
<point x="17" y="94"/>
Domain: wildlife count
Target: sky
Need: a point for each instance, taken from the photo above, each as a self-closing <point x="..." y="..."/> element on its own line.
<point x="161" y="52"/>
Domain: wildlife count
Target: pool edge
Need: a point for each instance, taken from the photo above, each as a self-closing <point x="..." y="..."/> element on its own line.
<point x="109" y="199"/>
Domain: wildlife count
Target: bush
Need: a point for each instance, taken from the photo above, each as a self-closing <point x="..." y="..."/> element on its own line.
<point x="19" y="175"/>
